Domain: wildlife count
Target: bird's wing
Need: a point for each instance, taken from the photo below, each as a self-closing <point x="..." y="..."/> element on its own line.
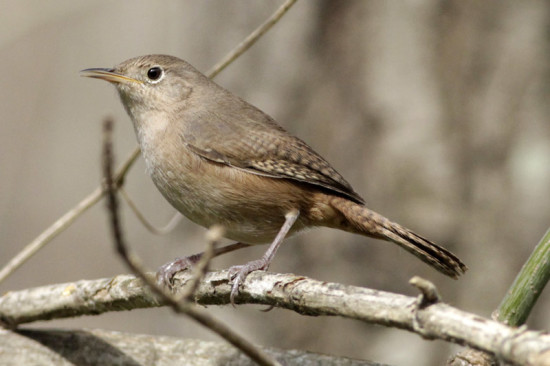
<point x="257" y="144"/>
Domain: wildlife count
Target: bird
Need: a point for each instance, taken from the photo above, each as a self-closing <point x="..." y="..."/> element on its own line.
<point x="221" y="161"/>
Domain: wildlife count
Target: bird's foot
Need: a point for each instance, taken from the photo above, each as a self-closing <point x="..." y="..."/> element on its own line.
<point x="237" y="275"/>
<point x="166" y="272"/>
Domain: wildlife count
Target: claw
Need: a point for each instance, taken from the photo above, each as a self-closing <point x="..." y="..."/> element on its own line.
<point x="237" y="275"/>
<point x="166" y="272"/>
<point x="234" y="292"/>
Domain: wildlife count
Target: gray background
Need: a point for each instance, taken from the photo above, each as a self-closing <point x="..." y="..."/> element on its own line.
<point x="435" y="111"/>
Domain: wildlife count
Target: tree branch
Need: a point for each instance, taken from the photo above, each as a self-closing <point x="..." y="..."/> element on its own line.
<point x="300" y="294"/>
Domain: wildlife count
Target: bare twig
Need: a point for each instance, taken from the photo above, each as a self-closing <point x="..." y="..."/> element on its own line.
<point x="174" y="221"/>
<point x="428" y="292"/>
<point x="46" y="236"/>
<point x="214" y="235"/>
<point x="68" y="218"/>
<point x="250" y="40"/>
<point x="135" y="264"/>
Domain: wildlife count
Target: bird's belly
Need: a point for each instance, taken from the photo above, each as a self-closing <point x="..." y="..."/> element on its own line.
<point x="242" y="203"/>
<point x="240" y="223"/>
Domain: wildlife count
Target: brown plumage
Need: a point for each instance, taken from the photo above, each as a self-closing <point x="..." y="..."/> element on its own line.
<point x="219" y="160"/>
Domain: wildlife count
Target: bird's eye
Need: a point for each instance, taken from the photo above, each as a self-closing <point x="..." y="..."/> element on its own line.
<point x="154" y="73"/>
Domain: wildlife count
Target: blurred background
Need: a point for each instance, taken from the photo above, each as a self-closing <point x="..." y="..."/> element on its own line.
<point x="435" y="111"/>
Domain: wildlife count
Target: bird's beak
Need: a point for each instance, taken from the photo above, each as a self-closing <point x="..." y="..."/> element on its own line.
<point x="108" y="75"/>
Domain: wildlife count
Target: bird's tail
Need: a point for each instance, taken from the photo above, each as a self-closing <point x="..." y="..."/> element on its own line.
<point x="361" y="220"/>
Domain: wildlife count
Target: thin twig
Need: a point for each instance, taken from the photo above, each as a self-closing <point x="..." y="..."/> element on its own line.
<point x="46" y="236"/>
<point x="251" y="39"/>
<point x="428" y="292"/>
<point x="65" y="221"/>
<point x="135" y="264"/>
<point x="174" y="221"/>
<point x="214" y="235"/>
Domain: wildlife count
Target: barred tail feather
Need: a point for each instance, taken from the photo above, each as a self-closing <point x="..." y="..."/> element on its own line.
<point x="363" y="221"/>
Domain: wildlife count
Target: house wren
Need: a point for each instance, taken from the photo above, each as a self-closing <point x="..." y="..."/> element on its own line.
<point x="219" y="160"/>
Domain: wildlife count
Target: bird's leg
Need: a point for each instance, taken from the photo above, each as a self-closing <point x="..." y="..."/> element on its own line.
<point x="167" y="271"/>
<point x="239" y="273"/>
